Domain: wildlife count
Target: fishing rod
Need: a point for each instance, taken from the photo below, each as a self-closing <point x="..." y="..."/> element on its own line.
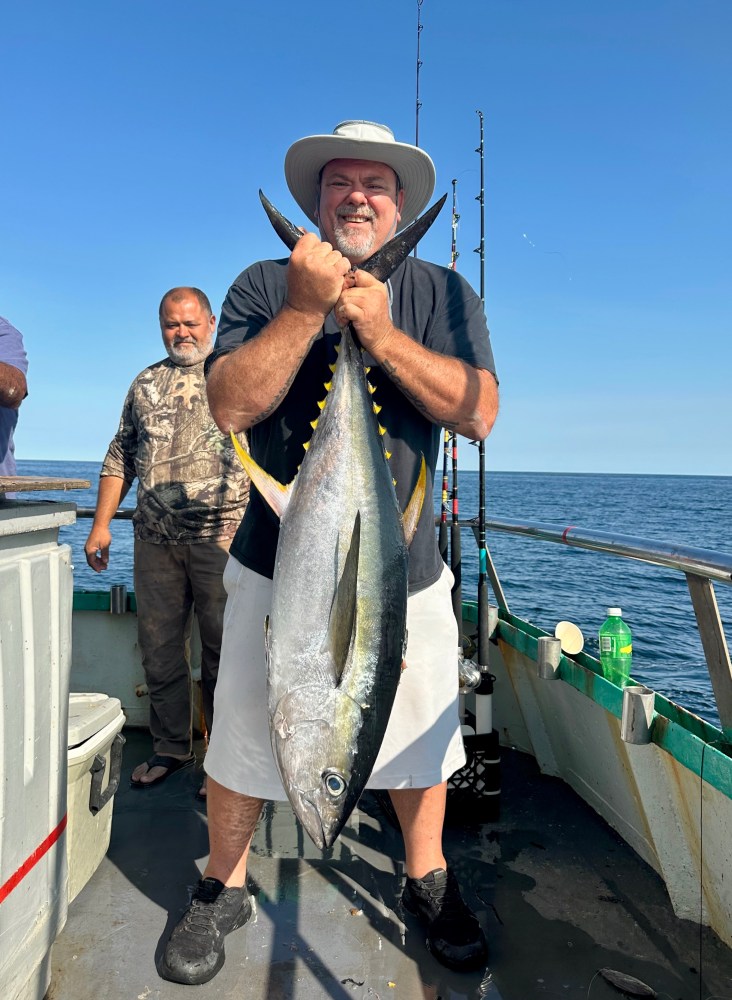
<point x="484" y="691"/>
<point x="455" y="544"/>
<point x="442" y="537"/>
<point x="454" y="253"/>
<point x="418" y="103"/>
<point x="486" y="563"/>
<point x="442" y="533"/>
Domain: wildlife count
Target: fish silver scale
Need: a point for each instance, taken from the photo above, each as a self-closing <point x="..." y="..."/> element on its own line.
<point x="324" y="730"/>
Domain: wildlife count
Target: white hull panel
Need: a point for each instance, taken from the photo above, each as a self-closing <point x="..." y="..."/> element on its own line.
<point x="657" y="804"/>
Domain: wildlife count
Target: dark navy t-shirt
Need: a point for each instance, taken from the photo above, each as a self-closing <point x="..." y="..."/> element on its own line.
<point x="435" y="307"/>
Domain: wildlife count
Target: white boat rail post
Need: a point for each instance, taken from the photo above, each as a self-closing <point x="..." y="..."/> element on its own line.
<point x="700" y="566"/>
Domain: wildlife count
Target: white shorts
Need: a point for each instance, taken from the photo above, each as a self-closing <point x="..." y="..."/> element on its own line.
<point x="423" y="743"/>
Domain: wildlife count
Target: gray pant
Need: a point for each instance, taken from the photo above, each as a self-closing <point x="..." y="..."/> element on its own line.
<point x="170" y="580"/>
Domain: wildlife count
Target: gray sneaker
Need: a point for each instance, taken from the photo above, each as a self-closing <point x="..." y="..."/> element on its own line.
<point x="195" y="950"/>
<point x="454" y="935"/>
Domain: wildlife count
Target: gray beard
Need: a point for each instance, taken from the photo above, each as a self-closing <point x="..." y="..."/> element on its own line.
<point x="186" y="357"/>
<point x="354" y="245"/>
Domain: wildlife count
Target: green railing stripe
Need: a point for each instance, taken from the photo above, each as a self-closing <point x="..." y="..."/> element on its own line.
<point x="691" y="741"/>
<point x="99" y="600"/>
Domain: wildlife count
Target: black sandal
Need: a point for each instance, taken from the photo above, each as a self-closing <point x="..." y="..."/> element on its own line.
<point x="172" y="764"/>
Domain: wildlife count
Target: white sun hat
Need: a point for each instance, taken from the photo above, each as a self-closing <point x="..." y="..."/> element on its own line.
<point x="359" y="140"/>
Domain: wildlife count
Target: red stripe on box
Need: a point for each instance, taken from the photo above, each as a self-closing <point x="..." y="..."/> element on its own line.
<point x="30" y="862"/>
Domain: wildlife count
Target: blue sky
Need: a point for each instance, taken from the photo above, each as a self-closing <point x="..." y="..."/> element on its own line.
<point x="134" y="138"/>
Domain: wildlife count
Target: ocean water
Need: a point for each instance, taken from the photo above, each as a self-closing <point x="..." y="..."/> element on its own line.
<point x="545" y="582"/>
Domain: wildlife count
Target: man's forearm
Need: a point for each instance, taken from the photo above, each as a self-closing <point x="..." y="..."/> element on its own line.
<point x="248" y="384"/>
<point x="446" y="390"/>
<point x="112" y="491"/>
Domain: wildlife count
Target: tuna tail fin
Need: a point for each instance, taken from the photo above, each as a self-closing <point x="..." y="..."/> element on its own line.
<point x="276" y="495"/>
<point x="381" y="264"/>
<point x="413" y="510"/>
<point x="342" y="622"/>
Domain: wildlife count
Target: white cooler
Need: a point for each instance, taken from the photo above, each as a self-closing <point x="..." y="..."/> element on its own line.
<point x="94" y="764"/>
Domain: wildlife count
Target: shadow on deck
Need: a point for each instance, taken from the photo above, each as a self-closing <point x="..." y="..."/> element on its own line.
<point x="558" y="893"/>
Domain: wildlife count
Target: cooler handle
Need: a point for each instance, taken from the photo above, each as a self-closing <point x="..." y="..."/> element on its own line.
<point x="98" y="798"/>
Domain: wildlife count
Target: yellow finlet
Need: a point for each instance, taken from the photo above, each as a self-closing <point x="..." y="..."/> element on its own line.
<point x="314" y="423"/>
<point x="377" y="408"/>
<point x="328" y="386"/>
<point x="321" y="404"/>
<point x="388" y="454"/>
<point x="306" y="445"/>
<point x="371" y="388"/>
<point x="332" y="367"/>
<point x="382" y="430"/>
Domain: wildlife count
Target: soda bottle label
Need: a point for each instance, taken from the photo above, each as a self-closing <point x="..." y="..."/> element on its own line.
<point x="608" y="644"/>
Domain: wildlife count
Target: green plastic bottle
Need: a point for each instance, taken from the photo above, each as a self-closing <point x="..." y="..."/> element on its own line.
<point x="616" y="648"/>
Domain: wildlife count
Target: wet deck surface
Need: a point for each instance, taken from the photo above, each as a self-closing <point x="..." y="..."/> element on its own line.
<point x="558" y="893"/>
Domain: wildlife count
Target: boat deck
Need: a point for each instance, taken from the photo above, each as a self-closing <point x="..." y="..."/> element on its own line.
<point x="559" y="895"/>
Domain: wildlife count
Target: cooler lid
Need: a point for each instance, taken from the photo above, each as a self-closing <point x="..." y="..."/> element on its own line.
<point x="88" y="713"/>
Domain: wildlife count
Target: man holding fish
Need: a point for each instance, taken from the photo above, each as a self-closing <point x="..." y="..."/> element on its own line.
<point x="312" y="702"/>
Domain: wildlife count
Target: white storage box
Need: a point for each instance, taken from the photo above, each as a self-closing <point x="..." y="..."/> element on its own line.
<point x="94" y="761"/>
<point x="36" y="589"/>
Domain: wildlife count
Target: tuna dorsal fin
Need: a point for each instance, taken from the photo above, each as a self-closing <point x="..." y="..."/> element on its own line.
<point x="276" y="495"/>
<point x="343" y="609"/>
<point x="414" y="507"/>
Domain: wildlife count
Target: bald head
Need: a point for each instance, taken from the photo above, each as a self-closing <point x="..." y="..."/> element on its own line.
<point x="184" y="292"/>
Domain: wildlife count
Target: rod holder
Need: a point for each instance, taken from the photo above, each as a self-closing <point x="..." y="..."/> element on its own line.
<point x="118" y="599"/>
<point x="484" y="702"/>
<point x="549" y="654"/>
<point x="492" y="620"/>
<point x="638" y="711"/>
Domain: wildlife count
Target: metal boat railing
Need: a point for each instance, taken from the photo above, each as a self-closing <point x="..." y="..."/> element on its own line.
<point x="699" y="566"/>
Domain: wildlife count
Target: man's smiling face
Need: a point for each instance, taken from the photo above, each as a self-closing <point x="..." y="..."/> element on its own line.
<point x="359" y="207"/>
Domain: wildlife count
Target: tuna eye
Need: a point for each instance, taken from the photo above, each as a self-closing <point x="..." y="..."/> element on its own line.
<point x="334" y="784"/>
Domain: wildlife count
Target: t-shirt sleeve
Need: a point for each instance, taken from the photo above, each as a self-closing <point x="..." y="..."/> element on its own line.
<point x="251" y="302"/>
<point x="120" y="458"/>
<point x="12" y="351"/>
<point x="459" y="326"/>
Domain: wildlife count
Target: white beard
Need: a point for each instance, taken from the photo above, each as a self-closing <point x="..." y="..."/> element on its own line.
<point x="354" y="245"/>
<point x="190" y="353"/>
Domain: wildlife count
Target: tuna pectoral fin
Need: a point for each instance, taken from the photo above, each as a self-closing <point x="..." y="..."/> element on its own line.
<point x="413" y="510"/>
<point x="343" y="609"/>
<point x="276" y="495"/>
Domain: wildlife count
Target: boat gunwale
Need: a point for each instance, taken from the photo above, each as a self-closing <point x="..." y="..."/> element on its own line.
<point x="694" y="743"/>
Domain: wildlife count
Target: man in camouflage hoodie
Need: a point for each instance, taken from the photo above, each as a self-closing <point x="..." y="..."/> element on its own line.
<point x="191" y="496"/>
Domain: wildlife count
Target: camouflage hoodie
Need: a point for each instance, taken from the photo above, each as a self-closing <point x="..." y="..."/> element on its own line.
<point x="191" y="486"/>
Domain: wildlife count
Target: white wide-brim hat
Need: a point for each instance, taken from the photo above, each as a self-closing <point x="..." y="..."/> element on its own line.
<point x="359" y="140"/>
